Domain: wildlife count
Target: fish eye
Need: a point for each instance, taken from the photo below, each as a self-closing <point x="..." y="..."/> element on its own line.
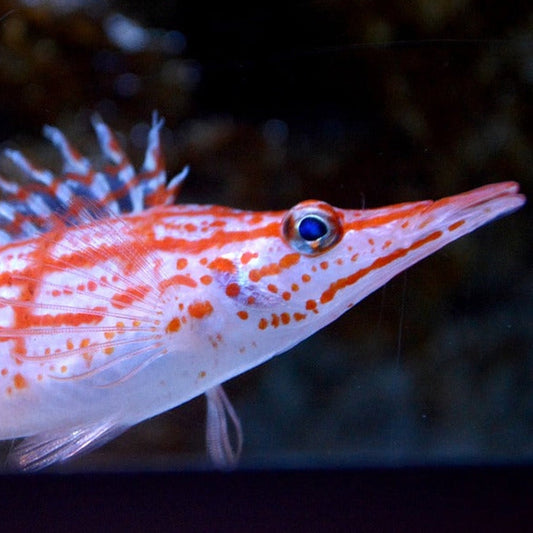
<point x="312" y="227"/>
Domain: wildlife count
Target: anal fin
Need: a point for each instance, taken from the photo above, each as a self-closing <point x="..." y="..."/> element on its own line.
<point x="43" y="449"/>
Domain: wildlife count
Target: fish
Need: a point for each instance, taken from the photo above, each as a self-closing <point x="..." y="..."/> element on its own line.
<point x="117" y="304"/>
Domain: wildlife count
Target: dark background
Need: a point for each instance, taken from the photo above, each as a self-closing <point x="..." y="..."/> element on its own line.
<point x="355" y="103"/>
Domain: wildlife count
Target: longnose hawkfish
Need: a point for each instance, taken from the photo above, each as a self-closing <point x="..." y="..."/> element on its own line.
<point x="116" y="305"/>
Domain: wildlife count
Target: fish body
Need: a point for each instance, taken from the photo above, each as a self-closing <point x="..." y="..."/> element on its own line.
<point x="116" y="305"/>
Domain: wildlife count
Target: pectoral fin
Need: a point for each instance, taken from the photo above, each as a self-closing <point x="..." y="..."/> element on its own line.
<point x="41" y="450"/>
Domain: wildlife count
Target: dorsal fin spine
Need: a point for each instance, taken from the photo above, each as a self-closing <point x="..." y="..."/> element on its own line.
<point x="42" y="176"/>
<point x="73" y="161"/>
<point x="9" y="187"/>
<point x="7" y="211"/>
<point x="38" y="206"/>
<point x="153" y="159"/>
<point x="176" y="181"/>
<point x="107" y="140"/>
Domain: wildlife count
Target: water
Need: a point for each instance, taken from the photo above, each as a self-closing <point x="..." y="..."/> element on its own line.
<point x="358" y="108"/>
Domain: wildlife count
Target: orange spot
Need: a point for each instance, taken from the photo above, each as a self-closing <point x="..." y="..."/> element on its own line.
<point x="190" y="227"/>
<point x="67" y="319"/>
<point x="272" y="288"/>
<point x="294" y="287"/>
<point x="456" y="225"/>
<point x="286" y="296"/>
<point x="136" y="323"/>
<point x="275" y="320"/>
<point x="424" y="223"/>
<point x="254" y="275"/>
<point x="201" y="374"/>
<point x="310" y="305"/>
<point x="109" y="350"/>
<point x="222" y="264"/>
<point x="70" y="344"/>
<point x="206" y="279"/>
<point x="328" y="295"/>
<point x="386" y="244"/>
<point x="233" y="290"/>
<point x="299" y="316"/>
<point x="81" y="287"/>
<point x="354" y="258"/>
<point x="20" y="348"/>
<point x="39" y="377"/>
<point x="56" y="293"/>
<point x="173" y="326"/>
<point x="263" y="323"/>
<point x="203" y="261"/>
<point x="246" y="257"/>
<point x="181" y="263"/>
<point x="289" y="260"/>
<point x="63" y="369"/>
<point x="91" y="285"/>
<point x="19" y="381"/>
<point x="405" y="224"/>
<point x="178" y="279"/>
<point x="109" y="335"/>
<point x="339" y="261"/>
<point x="87" y="358"/>
<point x="130" y="295"/>
<point x="84" y="343"/>
<point x="306" y="278"/>
<point x="285" y="318"/>
<point x="371" y="242"/>
<point x="4" y="372"/>
<point x="268" y="270"/>
<point x="324" y="265"/>
<point x="250" y="300"/>
<point x="243" y="315"/>
<point x="217" y="224"/>
<point x="200" y="309"/>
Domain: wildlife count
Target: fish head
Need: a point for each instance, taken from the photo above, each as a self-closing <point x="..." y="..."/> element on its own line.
<point x="316" y="261"/>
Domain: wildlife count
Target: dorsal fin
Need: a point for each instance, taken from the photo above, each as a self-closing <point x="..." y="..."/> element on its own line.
<point x="80" y="190"/>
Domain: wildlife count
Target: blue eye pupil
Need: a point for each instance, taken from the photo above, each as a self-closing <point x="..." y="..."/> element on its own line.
<point x="312" y="228"/>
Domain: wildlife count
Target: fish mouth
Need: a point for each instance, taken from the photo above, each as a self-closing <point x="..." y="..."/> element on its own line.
<point x="478" y="206"/>
<point x="507" y="191"/>
<point x="421" y="229"/>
